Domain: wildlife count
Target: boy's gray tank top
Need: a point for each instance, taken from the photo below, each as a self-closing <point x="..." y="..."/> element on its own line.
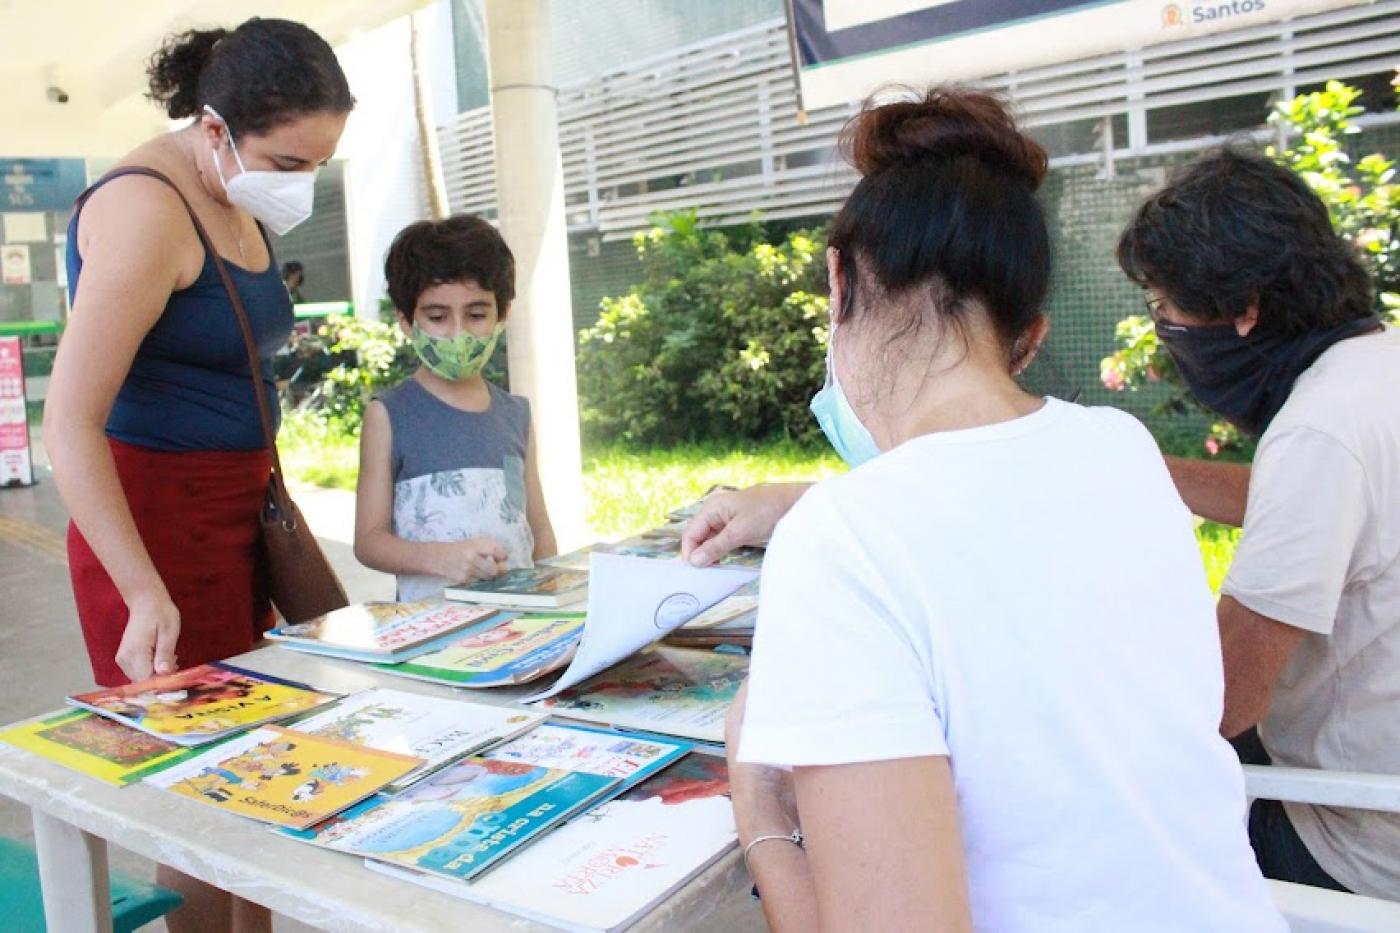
<point x="458" y="474"/>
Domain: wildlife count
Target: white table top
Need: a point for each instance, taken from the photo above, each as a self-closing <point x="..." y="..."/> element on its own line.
<point x="327" y="889"/>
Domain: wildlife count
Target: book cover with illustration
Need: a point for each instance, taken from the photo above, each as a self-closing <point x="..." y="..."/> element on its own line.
<point x="465" y="818"/>
<point x="516" y="651"/>
<point x="527" y="588"/>
<point x="96" y="746"/>
<point x="381" y="631"/>
<point x="674" y="691"/>
<point x="284" y="777"/>
<point x="435" y="729"/>
<point x="608" y="868"/>
<point x="662" y="544"/>
<point x="201" y="704"/>
<point x="631" y="758"/>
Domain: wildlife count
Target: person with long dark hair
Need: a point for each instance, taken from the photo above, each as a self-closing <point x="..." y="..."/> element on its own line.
<point x="1269" y="316"/>
<point x="152" y="421"/>
<point x="986" y="684"/>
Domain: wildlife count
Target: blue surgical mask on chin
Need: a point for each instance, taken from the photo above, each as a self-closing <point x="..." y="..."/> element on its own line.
<point x="838" y="421"/>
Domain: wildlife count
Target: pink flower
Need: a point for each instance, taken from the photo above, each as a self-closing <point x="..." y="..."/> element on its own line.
<point x="1152" y="374"/>
<point x="1112" y="380"/>
<point x="1212" y="446"/>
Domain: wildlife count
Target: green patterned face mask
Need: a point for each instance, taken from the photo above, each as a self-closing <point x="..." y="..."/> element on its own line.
<point x="455" y="358"/>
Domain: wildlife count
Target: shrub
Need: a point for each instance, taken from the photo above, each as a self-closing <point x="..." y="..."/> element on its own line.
<point x="1364" y="202"/>
<point x="723" y="339"/>
<point x="373" y="356"/>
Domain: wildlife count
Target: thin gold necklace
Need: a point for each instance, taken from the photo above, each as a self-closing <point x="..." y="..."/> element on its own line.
<point x="235" y="224"/>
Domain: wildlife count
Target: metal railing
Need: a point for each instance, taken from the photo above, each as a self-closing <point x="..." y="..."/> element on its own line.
<point x="716" y="125"/>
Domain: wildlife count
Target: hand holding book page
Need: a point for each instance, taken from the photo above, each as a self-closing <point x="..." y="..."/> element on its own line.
<point x="633" y="601"/>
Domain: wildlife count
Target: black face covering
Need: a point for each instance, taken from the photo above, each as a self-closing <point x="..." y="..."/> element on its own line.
<point x="1246" y="380"/>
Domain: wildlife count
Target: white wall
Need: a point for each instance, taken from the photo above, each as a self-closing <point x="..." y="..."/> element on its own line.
<point x="383" y="175"/>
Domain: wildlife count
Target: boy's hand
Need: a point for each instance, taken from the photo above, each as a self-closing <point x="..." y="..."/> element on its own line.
<point x="472" y="560"/>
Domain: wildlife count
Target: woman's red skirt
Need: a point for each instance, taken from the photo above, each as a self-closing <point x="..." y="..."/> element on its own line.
<point x="197" y="514"/>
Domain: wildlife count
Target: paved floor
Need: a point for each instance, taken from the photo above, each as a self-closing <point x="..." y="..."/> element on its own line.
<point x="42" y="658"/>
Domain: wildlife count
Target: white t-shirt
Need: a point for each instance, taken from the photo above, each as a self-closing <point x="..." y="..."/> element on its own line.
<point x="1028" y="599"/>
<point x="1321" y="551"/>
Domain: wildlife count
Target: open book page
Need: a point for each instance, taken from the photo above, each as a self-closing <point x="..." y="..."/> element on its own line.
<point x="633" y="601"/>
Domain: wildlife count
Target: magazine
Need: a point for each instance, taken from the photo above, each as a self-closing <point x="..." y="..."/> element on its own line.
<point x="674" y="691"/>
<point x="526" y="588"/>
<point x="608" y="868"/>
<point x="284" y="777"/>
<point x="96" y="746"/>
<point x="431" y="728"/>
<point x="516" y="651"/>
<point x="201" y="704"/>
<point x="465" y="818"/>
<point x="382" y="631"/>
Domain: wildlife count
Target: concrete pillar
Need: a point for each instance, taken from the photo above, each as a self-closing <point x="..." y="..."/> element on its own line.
<point x="530" y="196"/>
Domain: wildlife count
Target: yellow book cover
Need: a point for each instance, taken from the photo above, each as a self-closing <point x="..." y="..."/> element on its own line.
<point x="197" y="705"/>
<point x="102" y="748"/>
<point x="285" y="777"/>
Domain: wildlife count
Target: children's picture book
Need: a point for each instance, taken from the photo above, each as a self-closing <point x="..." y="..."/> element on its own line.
<point x="526" y="588"/>
<point x="686" y="512"/>
<point x="734" y="638"/>
<point x="674" y="691"/>
<point x="432" y="728"/>
<point x="574" y="560"/>
<point x="634" y="601"/>
<point x="382" y="631"/>
<point x="608" y="868"/>
<point x="466" y="817"/>
<point x="96" y="746"/>
<point x="284" y="777"/>
<point x="516" y="651"/>
<point x="656" y="548"/>
<point x="630" y="758"/>
<point x="201" y="704"/>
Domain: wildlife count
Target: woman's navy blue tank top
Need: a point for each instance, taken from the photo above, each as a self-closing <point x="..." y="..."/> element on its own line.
<point x="189" y="387"/>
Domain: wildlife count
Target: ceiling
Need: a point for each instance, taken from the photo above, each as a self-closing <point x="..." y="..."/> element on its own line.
<point x="95" y="51"/>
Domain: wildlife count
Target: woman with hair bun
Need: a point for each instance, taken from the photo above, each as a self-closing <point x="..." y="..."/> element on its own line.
<point x="152" y="422"/>
<point x="986" y="686"/>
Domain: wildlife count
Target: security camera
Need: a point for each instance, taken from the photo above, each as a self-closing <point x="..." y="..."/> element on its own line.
<point x="57" y="94"/>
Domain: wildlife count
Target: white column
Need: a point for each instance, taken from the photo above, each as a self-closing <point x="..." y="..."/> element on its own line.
<point x="383" y="175"/>
<point x="530" y="199"/>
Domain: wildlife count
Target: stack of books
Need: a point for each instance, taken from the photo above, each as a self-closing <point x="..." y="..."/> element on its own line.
<point x="583" y="807"/>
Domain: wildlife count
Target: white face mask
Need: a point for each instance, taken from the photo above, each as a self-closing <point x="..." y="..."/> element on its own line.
<point x="279" y="200"/>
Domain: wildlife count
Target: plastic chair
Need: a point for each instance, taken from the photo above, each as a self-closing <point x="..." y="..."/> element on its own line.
<point x="1317" y="910"/>
<point x="134" y="903"/>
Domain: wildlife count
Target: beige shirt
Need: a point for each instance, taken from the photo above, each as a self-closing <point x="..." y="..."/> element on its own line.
<point x="1321" y="551"/>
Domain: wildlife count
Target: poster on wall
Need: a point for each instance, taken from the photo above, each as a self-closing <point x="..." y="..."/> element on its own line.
<point x="16" y="464"/>
<point x="848" y="49"/>
<point x="25" y="226"/>
<point x="14" y="264"/>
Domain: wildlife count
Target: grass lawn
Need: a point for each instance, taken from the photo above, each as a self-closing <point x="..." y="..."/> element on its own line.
<point x="631" y="490"/>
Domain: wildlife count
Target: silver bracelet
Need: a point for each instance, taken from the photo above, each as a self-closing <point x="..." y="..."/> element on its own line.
<point x="795" y="837"/>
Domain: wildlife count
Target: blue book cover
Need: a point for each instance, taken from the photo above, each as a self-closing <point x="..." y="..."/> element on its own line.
<point x="465" y="818"/>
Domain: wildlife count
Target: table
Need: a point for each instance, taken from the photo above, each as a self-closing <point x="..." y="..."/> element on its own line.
<point x="75" y="815"/>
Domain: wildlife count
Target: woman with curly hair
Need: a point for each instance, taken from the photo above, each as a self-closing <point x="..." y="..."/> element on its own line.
<point x="152" y="422"/>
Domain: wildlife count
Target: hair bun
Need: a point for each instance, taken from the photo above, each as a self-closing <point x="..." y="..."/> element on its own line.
<point x="175" y="68"/>
<point x="946" y="122"/>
